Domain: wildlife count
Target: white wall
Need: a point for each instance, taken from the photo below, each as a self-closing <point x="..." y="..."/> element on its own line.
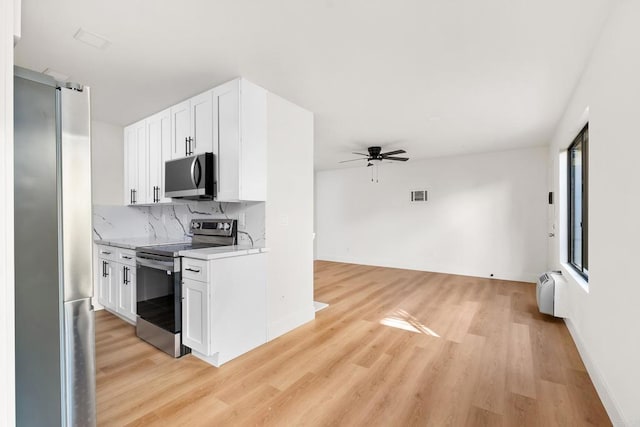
<point x="7" y="339"/>
<point x="107" y="154"/>
<point x="289" y="216"/>
<point x="605" y="320"/>
<point x="486" y="214"/>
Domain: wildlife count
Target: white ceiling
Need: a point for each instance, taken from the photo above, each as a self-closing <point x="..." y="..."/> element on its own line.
<point x="435" y="77"/>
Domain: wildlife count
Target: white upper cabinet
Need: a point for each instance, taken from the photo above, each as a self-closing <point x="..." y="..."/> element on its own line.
<point x="192" y="126"/>
<point x="159" y="151"/>
<point x="240" y="141"/>
<point x="135" y="163"/>
<point x="180" y="129"/>
<point x="229" y="120"/>
<point x="201" y="123"/>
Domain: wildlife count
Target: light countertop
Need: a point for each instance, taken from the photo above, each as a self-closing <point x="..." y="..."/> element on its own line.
<point x="135" y="242"/>
<point x="221" y="252"/>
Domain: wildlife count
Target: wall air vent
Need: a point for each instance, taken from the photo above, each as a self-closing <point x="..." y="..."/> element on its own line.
<point x="419" y="196"/>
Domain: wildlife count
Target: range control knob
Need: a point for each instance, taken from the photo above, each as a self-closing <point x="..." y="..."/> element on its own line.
<point x="196" y="225"/>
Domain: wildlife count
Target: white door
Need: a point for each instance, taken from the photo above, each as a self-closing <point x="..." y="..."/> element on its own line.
<point x="108" y="285"/>
<point x="130" y="289"/>
<point x="195" y="319"/>
<point x="180" y="129"/>
<point x="158" y="149"/>
<point x="130" y="164"/>
<point x="126" y="291"/>
<point x="226" y="139"/>
<point x="201" y="123"/>
<point x="105" y="283"/>
<point x="140" y="195"/>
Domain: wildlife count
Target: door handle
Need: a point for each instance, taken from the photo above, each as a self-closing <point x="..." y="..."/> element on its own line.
<point x="199" y="172"/>
<point x="193" y="173"/>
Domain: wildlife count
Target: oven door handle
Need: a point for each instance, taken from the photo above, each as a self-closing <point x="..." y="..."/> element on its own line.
<point x="155" y="263"/>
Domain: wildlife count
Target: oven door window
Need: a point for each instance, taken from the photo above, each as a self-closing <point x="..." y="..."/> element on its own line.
<point x="157" y="297"/>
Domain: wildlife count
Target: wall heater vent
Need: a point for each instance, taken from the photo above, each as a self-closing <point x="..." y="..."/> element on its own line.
<point x="419" y="196"/>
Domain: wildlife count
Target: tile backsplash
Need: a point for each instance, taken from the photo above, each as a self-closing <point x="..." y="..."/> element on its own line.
<point x="172" y="220"/>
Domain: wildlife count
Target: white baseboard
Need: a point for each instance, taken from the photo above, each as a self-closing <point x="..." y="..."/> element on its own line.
<point x="290" y="322"/>
<point x="528" y="277"/>
<point x="613" y="410"/>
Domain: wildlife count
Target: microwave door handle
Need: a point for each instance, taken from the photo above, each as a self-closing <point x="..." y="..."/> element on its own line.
<point x="197" y="181"/>
<point x="193" y="172"/>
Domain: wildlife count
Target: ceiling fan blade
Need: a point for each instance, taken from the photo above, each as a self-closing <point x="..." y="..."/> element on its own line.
<point x="391" y="153"/>
<point x="401" y="159"/>
<point x="352" y="160"/>
<point x="361" y="154"/>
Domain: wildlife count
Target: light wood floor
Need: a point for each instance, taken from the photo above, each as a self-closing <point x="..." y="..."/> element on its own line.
<point x="394" y="348"/>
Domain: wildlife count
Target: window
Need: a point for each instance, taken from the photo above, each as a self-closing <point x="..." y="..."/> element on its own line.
<point x="578" y="185"/>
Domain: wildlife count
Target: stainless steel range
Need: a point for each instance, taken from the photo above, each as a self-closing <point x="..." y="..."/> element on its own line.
<point x="159" y="283"/>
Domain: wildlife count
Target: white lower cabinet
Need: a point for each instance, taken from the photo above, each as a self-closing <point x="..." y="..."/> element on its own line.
<point x="226" y="315"/>
<point x="106" y="284"/>
<point x="195" y="315"/>
<point x="127" y="292"/>
<point x="117" y="281"/>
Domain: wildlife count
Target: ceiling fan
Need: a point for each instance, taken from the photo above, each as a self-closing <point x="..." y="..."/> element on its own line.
<point x="376" y="155"/>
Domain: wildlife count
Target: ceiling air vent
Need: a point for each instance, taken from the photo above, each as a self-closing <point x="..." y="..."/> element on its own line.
<point x="419" y="196"/>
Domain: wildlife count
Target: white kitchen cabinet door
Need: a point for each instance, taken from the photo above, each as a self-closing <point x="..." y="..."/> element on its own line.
<point x="201" y="123"/>
<point x="107" y="284"/>
<point x="130" y="164"/>
<point x="226" y="140"/>
<point x="240" y="141"/>
<point x="140" y="195"/>
<point x="135" y="163"/>
<point x="158" y="129"/>
<point x="195" y="315"/>
<point x="126" y="306"/>
<point x="180" y="129"/>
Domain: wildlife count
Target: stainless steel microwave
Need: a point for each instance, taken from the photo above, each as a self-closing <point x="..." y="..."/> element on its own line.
<point x="190" y="177"/>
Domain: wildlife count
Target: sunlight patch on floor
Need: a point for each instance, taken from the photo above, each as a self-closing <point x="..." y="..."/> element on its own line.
<point x="402" y="320"/>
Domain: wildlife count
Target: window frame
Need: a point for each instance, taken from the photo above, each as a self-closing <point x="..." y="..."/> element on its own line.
<point x="581" y="138"/>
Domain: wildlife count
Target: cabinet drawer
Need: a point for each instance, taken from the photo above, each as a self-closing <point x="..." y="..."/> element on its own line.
<point x="127" y="257"/>
<point x="195" y="269"/>
<point x="107" y="252"/>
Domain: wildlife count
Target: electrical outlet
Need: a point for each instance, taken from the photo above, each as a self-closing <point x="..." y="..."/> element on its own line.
<point x="242" y="221"/>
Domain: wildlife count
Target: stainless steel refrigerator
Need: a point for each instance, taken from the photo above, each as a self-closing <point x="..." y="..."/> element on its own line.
<point x="55" y="356"/>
